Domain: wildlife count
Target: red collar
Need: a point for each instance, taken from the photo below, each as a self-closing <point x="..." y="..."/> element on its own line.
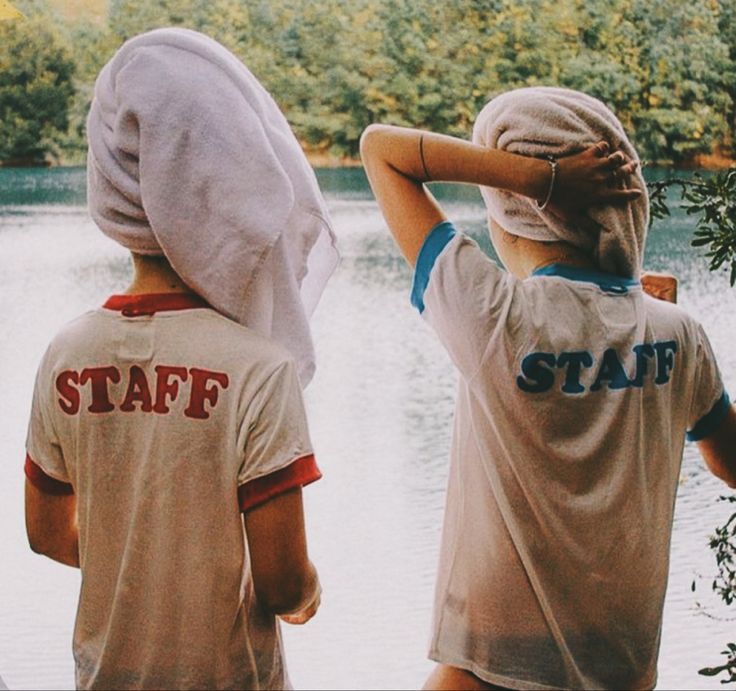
<point x="150" y="303"/>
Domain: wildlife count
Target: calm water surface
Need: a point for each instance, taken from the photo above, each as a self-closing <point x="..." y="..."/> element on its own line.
<point x="380" y="409"/>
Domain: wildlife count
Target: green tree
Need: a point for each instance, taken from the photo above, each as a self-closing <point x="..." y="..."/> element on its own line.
<point x="727" y="32"/>
<point x="684" y="106"/>
<point x="712" y="201"/>
<point x="36" y="88"/>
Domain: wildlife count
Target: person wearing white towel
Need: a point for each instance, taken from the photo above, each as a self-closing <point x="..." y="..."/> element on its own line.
<point x="168" y="443"/>
<point x="576" y="394"/>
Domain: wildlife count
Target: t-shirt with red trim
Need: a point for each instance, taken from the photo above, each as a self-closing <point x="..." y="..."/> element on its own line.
<point x="167" y="419"/>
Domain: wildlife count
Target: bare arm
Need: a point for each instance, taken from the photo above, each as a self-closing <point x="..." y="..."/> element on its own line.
<point x="719" y="449"/>
<point x="399" y="160"/>
<point x="284" y="579"/>
<point x="51" y="525"/>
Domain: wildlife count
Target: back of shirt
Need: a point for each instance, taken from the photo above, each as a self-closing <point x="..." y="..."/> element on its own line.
<point x="576" y="393"/>
<point x="166" y="420"/>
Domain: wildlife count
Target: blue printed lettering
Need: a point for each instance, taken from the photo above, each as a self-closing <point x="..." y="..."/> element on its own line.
<point x="642" y="352"/>
<point x="665" y="360"/>
<point x="574" y="361"/>
<point x="538" y="373"/>
<point x="536" y="377"/>
<point x="612" y="371"/>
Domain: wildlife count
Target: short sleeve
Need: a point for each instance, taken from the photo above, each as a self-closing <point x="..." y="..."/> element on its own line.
<point x="45" y="466"/>
<point x="710" y="402"/>
<point x="277" y="452"/>
<point x="463" y="295"/>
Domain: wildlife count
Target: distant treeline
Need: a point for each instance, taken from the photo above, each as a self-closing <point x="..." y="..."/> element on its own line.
<point x="667" y="67"/>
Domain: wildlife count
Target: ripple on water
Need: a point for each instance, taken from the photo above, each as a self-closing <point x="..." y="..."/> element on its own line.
<point x="380" y="409"/>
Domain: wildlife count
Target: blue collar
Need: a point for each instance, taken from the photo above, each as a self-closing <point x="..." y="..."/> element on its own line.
<point x="605" y="281"/>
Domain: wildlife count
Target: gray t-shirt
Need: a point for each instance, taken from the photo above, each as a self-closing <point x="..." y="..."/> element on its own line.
<point x="576" y="392"/>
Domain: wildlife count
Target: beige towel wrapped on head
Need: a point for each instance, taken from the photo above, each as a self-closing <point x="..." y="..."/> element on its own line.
<point x="543" y="121"/>
<point x="190" y="157"/>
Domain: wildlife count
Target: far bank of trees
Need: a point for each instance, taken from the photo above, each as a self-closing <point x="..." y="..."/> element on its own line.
<point x="667" y="67"/>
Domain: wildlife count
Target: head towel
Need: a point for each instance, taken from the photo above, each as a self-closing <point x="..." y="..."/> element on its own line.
<point x="544" y="121"/>
<point x="191" y="158"/>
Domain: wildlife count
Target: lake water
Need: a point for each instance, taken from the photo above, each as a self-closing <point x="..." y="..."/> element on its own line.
<point x="380" y="409"/>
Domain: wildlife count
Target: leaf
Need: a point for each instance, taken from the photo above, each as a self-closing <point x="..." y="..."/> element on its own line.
<point x="712" y="671"/>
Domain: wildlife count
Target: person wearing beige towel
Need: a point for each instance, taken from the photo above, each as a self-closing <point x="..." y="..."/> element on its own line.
<point x="168" y="443"/>
<point x="577" y="391"/>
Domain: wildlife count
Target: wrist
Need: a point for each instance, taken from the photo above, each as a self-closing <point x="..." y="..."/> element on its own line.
<point x="550" y="176"/>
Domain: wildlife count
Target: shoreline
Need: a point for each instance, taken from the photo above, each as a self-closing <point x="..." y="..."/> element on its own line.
<point x="712" y="162"/>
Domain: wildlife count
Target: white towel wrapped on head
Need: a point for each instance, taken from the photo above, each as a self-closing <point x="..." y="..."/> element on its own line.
<point x="544" y="121"/>
<point x="190" y="157"/>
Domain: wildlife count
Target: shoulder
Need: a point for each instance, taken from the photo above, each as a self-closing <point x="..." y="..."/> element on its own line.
<point x="217" y="342"/>
<point x="229" y="339"/>
<point x="73" y="337"/>
<point x="661" y="313"/>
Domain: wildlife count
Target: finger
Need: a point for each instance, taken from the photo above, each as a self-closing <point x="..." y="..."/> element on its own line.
<point x="602" y="148"/>
<point x="620" y="196"/>
<point x="629" y="168"/>
<point x="295" y="619"/>
<point x="615" y="160"/>
<point x="623" y="171"/>
<point x="304" y="616"/>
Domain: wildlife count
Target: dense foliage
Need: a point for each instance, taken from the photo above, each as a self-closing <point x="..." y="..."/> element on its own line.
<point x="36" y="90"/>
<point x="667" y="67"/>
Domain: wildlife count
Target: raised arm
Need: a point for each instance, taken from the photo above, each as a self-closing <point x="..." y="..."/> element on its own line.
<point x="719" y="449"/>
<point x="398" y="161"/>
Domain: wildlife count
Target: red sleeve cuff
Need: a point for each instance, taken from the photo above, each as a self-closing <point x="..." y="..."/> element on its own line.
<point x="299" y="473"/>
<point x="47" y="484"/>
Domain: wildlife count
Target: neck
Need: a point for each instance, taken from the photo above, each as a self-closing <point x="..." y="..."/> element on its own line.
<point x="576" y="259"/>
<point x="536" y="255"/>
<point x="154" y="275"/>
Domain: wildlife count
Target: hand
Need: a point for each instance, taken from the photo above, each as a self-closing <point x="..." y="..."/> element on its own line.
<point x="594" y="176"/>
<point x="660" y="286"/>
<point x="306" y="613"/>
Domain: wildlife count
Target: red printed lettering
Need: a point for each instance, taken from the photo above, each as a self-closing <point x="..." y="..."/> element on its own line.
<point x="138" y="392"/>
<point x="69" y="401"/>
<point x="166" y="387"/>
<point x="200" y="392"/>
<point x="204" y="393"/>
<point x="99" y="377"/>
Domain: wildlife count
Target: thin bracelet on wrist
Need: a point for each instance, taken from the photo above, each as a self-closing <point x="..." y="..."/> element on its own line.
<point x="421" y="156"/>
<point x="553" y="169"/>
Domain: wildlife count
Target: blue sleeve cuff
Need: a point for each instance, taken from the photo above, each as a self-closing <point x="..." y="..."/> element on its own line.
<point x="710" y="421"/>
<point x="434" y="243"/>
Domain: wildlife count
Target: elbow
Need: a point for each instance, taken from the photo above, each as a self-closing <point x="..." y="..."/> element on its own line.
<point x="289" y="594"/>
<point x="730" y="480"/>
<point x="725" y="474"/>
<point x="370" y="140"/>
<point x="38" y="545"/>
<point x="35" y="546"/>
<point x="65" y="551"/>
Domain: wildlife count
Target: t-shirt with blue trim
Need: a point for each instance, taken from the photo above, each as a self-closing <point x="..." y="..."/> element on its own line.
<point x="577" y="391"/>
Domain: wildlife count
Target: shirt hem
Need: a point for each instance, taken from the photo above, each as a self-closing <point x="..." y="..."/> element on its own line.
<point x="500" y="679"/>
